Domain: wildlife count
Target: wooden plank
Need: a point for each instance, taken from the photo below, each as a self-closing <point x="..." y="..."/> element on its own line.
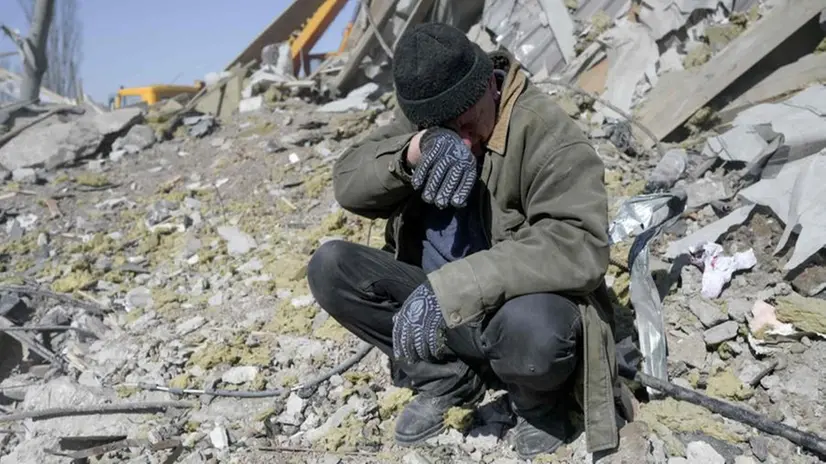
<point x="364" y="44"/>
<point x="32" y="344"/>
<point x="787" y="79"/>
<point x="669" y="106"/>
<point x="278" y="31"/>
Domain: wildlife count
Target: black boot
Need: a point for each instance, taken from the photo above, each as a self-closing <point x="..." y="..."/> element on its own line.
<point x="424" y="417"/>
<point x="541" y="430"/>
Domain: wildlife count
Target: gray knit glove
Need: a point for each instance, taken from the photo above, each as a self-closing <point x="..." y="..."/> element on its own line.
<point x="419" y="327"/>
<point x="447" y="170"/>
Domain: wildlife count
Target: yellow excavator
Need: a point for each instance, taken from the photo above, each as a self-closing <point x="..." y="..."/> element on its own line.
<point x="301" y="25"/>
<point x="149" y="95"/>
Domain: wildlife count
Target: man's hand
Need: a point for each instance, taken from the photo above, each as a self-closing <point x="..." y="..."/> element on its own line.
<point x="419" y="327"/>
<point x="445" y="168"/>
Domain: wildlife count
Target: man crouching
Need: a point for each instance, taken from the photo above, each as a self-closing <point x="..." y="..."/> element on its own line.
<point x="497" y="246"/>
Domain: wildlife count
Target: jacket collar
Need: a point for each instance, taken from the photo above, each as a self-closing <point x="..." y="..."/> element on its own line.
<point x="513" y="85"/>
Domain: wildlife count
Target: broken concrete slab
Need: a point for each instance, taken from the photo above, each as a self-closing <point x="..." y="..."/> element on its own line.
<point x="356" y="100"/>
<point x="707" y="312"/>
<point x="794" y="192"/>
<point x="705" y="191"/>
<point x="721" y="333"/>
<point x="238" y="243"/>
<point x="248" y="105"/>
<point x="63" y="392"/>
<point x="56" y="144"/>
<point x="741" y="143"/>
<point x="801" y="119"/>
<point x="632" y="57"/>
<point x="690" y="349"/>
<point x="139" y="137"/>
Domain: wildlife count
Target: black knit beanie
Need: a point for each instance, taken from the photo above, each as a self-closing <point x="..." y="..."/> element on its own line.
<point x="439" y="73"/>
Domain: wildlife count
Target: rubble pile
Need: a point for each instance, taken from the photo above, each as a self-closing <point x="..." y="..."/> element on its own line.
<point x="159" y="255"/>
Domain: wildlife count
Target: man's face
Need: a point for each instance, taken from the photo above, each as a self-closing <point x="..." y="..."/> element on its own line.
<point x="475" y="125"/>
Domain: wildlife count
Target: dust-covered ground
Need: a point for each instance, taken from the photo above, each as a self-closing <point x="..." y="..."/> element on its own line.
<point x="196" y="249"/>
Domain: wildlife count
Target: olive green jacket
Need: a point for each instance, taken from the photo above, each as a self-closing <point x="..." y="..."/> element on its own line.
<point x="545" y="211"/>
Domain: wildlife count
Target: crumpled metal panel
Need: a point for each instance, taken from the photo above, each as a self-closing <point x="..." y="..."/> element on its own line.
<point x="522" y="27"/>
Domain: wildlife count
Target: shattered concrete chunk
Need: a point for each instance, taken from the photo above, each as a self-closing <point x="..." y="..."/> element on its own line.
<point x="138" y="298"/>
<point x="139" y="137"/>
<point x="219" y="437"/>
<point x="251" y="104"/>
<point x="705" y="191"/>
<point x="702" y="452"/>
<point x="690" y="349"/>
<point x="738" y="309"/>
<point x="24" y="175"/>
<point x="719" y="334"/>
<point x="55" y="144"/>
<point x="707" y="312"/>
<point x="240" y="374"/>
<point x="63" y="392"/>
<point x="356" y="100"/>
<point x="238" y="243"/>
<point x="414" y="457"/>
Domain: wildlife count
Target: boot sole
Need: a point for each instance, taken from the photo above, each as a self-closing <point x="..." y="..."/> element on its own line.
<point x="408" y="440"/>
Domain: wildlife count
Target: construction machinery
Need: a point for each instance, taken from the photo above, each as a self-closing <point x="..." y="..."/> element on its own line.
<point x="151" y="94"/>
<point x="301" y="25"/>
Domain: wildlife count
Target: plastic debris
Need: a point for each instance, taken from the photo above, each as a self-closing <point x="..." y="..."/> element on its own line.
<point x="718" y="268"/>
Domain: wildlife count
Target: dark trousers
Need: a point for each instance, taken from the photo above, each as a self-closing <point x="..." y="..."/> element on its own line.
<point x="530" y="344"/>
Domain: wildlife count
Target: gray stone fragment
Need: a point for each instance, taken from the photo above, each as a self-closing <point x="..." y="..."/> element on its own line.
<point x="707" y="312"/>
<point x="138" y="298"/>
<point x="690" y="349"/>
<point x="24" y="175"/>
<point x="139" y="137"/>
<point x="738" y="309"/>
<point x="63" y="392"/>
<point x="292" y="414"/>
<point x="760" y="447"/>
<point x="719" y="334"/>
<point x="238" y="243"/>
<point x="190" y="325"/>
<point x="700" y="452"/>
<point x="744" y="460"/>
<point x="56" y="143"/>
<point x="242" y="374"/>
<point x="414" y="457"/>
<point x="332" y="422"/>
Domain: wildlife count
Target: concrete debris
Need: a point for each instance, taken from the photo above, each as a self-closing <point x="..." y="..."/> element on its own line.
<point x="139" y="137"/>
<point x="356" y="100"/>
<point x="723" y="332"/>
<point x="238" y="243"/>
<point x="632" y="60"/>
<point x="24" y="175"/>
<point x="54" y="144"/>
<point x="702" y="452"/>
<point x="219" y="437"/>
<point x="239" y="375"/>
<point x="250" y="104"/>
<point x="707" y="312"/>
<point x="199" y="126"/>
<point x="665" y="16"/>
<point x="668" y="170"/>
<point x="198" y="247"/>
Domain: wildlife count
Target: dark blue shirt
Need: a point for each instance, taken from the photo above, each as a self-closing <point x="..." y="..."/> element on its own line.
<point x="452" y="233"/>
